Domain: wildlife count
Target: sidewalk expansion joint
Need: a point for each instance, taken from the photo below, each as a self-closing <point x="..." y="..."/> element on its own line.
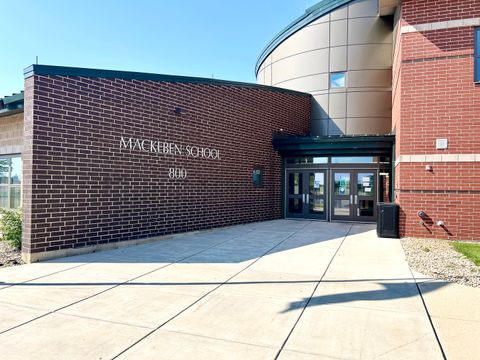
<point x="117" y="285"/>
<point x="428" y="315"/>
<point x="210" y="292"/>
<point x="311" y="295"/>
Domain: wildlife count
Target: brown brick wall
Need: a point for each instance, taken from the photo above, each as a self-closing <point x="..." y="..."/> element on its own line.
<point x="86" y="191"/>
<point x="438" y="100"/>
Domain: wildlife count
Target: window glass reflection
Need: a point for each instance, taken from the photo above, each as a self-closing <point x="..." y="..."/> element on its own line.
<point x="307" y="160"/>
<point x="341" y="208"/>
<point x="317" y="183"/>
<point x="10" y="181"/>
<point x="317" y="206"/>
<point x="354" y="160"/>
<point x="342" y="184"/>
<point x="477" y="78"/>
<point x="337" y="80"/>
<point x="365" y="184"/>
<point x="16" y="174"/>
<point x="477" y="55"/>
<point x="4" y="170"/>
<point x="295" y="205"/>
<point x="478" y="42"/>
<point x="366" y="207"/>
<point x="4" y="196"/>
<point x="15" y="197"/>
<point x="295" y="183"/>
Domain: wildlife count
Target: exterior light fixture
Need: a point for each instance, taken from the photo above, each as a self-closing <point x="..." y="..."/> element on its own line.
<point x="179" y="111"/>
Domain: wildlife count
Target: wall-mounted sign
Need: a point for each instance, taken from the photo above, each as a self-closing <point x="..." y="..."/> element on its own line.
<point x="257" y="176"/>
<point x="168" y="148"/>
<point x="318" y="180"/>
<point x="441" y="144"/>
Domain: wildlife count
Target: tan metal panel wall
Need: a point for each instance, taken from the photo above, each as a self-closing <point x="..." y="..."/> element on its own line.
<point x="353" y="39"/>
<point x="310" y="38"/>
<point x="300" y="65"/>
<point x="11" y="134"/>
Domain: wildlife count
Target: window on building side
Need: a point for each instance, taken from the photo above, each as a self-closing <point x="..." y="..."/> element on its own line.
<point x="10" y="181"/>
<point x="337" y="80"/>
<point x="477" y="55"/>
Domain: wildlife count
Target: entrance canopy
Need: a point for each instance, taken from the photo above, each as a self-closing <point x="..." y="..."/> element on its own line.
<point x="336" y="177"/>
<point x="288" y="145"/>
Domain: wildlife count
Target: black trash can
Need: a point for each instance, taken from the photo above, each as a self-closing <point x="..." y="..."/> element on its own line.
<point x="388" y="220"/>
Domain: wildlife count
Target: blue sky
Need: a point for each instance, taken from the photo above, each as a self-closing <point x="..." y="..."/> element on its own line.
<point x="219" y="38"/>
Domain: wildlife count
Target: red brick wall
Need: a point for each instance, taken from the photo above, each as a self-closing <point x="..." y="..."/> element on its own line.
<point x="81" y="189"/>
<point x="426" y="11"/>
<point x="397" y="79"/>
<point x="458" y="210"/>
<point x="438" y="100"/>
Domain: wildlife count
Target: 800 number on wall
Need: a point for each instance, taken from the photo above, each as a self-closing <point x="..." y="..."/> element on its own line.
<point x="177" y="173"/>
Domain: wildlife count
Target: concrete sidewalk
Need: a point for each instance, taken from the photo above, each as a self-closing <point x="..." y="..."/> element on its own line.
<point x="455" y="313"/>
<point x="286" y="289"/>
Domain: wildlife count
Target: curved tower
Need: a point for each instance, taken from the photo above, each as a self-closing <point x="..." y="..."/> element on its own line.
<point x="340" y="51"/>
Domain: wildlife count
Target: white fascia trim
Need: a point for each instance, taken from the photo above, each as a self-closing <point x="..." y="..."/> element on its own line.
<point x="437" y="158"/>
<point x="441" y="25"/>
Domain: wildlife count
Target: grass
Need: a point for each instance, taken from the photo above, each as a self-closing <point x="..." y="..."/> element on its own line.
<point x="471" y="251"/>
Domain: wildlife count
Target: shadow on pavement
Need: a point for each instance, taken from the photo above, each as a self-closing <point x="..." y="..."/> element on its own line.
<point x="390" y="291"/>
<point x="226" y="245"/>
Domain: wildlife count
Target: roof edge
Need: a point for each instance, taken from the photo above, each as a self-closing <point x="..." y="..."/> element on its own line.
<point x="350" y="145"/>
<point x="286" y="138"/>
<point x="13" y="98"/>
<point x="5" y="112"/>
<point x="312" y="13"/>
<point x="11" y="104"/>
<point x="50" y="70"/>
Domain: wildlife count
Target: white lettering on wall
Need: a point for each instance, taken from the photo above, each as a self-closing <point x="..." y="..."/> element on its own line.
<point x="168" y="148"/>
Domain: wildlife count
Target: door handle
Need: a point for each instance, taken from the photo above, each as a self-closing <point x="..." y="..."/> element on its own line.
<point x="356" y="199"/>
<point x="303" y="197"/>
<point x="351" y="199"/>
<point x="308" y="198"/>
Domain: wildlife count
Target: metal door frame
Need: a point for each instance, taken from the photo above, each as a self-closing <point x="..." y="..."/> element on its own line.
<point x="375" y="189"/>
<point x="302" y="186"/>
<point x="305" y="187"/>
<point x="353" y="192"/>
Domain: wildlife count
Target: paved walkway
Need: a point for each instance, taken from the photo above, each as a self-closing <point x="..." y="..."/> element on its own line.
<point x="285" y="289"/>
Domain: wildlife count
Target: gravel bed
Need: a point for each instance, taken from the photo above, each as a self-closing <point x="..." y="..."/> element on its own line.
<point x="438" y="259"/>
<point x="9" y="256"/>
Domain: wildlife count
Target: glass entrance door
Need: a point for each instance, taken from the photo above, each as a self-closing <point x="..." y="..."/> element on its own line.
<point x="295" y="196"/>
<point x="316" y="195"/>
<point x="342" y="197"/>
<point x="306" y="194"/>
<point x="365" y="195"/>
<point x="354" y="195"/>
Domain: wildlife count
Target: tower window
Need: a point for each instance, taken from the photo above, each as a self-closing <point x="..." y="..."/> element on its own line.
<point x="337" y="80"/>
<point x="477" y="55"/>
